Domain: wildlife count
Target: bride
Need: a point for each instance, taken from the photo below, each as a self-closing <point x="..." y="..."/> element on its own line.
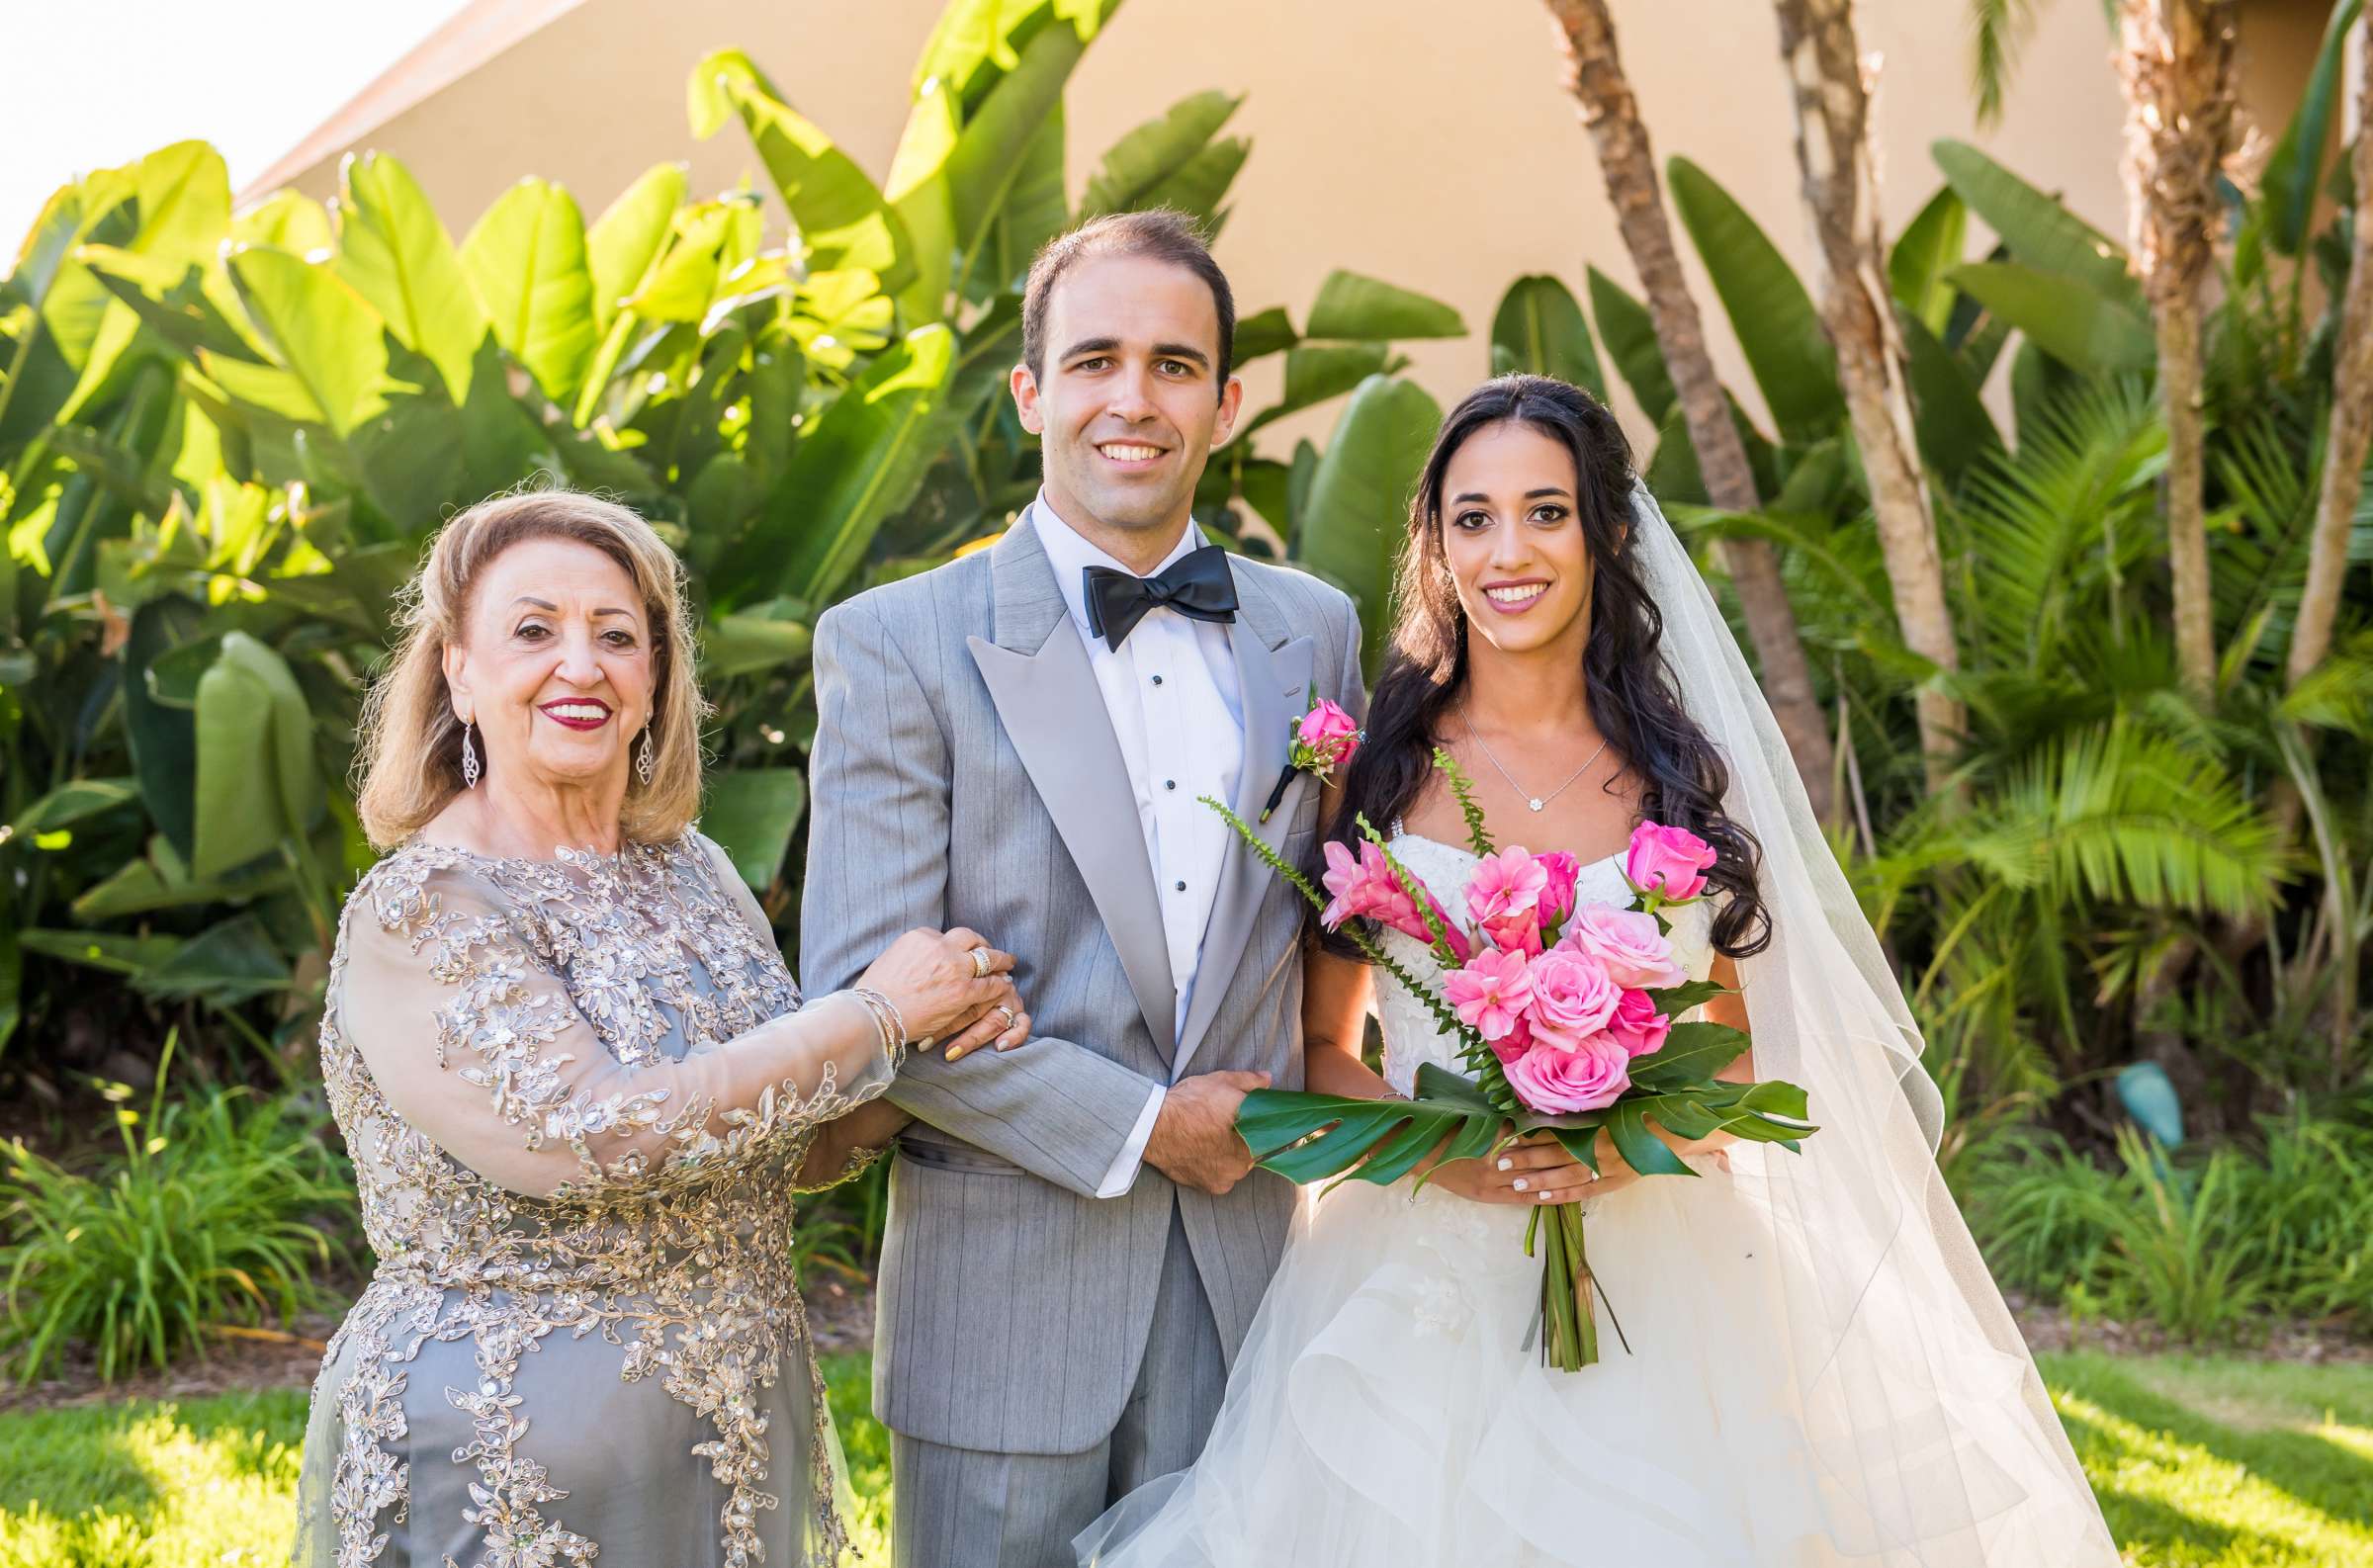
<point x="1818" y="1369"/>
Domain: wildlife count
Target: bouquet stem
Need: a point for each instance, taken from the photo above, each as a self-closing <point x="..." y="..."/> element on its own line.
<point x="1570" y="1330"/>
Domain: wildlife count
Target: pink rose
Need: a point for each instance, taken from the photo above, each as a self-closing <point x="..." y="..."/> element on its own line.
<point x="1490" y="993"/>
<point x="1561" y="871"/>
<point x="1628" y="943"/>
<point x="1572" y="998"/>
<point x="1515" y="1043"/>
<point x="1324" y="740"/>
<point x="1638" y="1025"/>
<point x="1591" y="1074"/>
<point x="1514" y="934"/>
<point x="1671" y="860"/>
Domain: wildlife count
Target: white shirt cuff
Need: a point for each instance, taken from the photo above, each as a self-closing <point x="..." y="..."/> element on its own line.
<point x="1124" y="1173"/>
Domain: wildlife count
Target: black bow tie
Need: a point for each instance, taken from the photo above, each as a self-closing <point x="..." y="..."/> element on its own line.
<point x="1198" y="583"/>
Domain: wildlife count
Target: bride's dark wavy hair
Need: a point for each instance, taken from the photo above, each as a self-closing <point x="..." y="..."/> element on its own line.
<point x="1631" y="692"/>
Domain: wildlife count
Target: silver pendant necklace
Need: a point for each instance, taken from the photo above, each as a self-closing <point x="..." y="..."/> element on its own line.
<point x="1535" y="802"/>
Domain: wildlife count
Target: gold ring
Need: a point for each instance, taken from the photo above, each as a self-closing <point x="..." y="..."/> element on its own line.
<point x="980" y="963"/>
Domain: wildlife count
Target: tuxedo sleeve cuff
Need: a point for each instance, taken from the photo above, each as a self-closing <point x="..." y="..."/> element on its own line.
<point x="1124" y="1173"/>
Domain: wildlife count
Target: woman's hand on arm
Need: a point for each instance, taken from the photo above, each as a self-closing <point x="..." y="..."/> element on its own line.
<point x="945" y="995"/>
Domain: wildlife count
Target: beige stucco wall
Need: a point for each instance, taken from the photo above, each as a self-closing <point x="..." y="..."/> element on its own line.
<point x="1425" y="142"/>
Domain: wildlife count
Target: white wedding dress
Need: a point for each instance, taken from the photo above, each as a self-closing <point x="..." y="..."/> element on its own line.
<point x="1390" y="1408"/>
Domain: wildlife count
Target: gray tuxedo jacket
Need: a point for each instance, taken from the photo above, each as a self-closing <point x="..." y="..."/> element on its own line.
<point x="965" y="773"/>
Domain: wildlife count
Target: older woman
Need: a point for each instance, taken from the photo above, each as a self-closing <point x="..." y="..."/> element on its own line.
<point x="580" y="1087"/>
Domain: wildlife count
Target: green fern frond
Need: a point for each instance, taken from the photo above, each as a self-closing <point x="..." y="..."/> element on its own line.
<point x="1462" y="789"/>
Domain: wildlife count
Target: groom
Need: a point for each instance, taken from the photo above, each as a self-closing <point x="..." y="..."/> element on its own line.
<point x="1015" y="742"/>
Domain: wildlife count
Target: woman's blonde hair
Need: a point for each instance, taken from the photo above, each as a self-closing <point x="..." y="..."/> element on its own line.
<point x="408" y="753"/>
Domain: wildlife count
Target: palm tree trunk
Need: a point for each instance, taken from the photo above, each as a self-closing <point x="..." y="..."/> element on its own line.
<point x="2175" y="61"/>
<point x="1594" y="76"/>
<point x="1841" y="189"/>
<point x="2352" y="414"/>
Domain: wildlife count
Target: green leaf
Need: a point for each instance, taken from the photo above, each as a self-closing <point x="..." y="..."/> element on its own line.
<point x="1318" y="372"/>
<point x="1642" y="1149"/>
<point x="1539" y="329"/>
<point x="111" y="951"/>
<point x="224" y="966"/>
<point x="1202" y="183"/>
<point x="162" y="736"/>
<point x="626" y="238"/>
<point x="1263" y="334"/>
<point x="1949" y="418"/>
<point x="1035" y="211"/>
<point x="395" y="254"/>
<point x="74" y="801"/>
<point x="1349" y="305"/>
<point x="1692" y="1054"/>
<point x="258" y="785"/>
<point x="1629" y="333"/>
<point x="329" y="339"/>
<point x="1772" y="316"/>
<point x="2288" y="187"/>
<point x="285" y="221"/>
<point x="750" y="812"/>
<point x="1928" y="249"/>
<point x="2091" y="333"/>
<point x="1351" y="528"/>
<point x="160" y="880"/>
<point x="526" y="258"/>
<point x="992" y="149"/>
<point x="12" y="980"/>
<point x="754" y="643"/>
<point x="1146" y="156"/>
<point x="1305" y="1137"/>
<point x="2040" y="231"/>
<point x="857" y="464"/>
<point x="843" y="219"/>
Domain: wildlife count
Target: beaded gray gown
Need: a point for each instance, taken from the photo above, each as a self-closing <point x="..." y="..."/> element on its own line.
<point x="578" y="1093"/>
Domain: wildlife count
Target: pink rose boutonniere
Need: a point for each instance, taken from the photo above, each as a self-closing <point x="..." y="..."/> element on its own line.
<point x="1324" y="740"/>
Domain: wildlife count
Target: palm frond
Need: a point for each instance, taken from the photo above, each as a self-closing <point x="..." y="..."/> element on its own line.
<point x="1998" y="30"/>
<point x="2049" y="534"/>
<point x="2121" y="814"/>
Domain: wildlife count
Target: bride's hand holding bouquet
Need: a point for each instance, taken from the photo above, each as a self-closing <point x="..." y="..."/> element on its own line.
<point x="1571" y="1018"/>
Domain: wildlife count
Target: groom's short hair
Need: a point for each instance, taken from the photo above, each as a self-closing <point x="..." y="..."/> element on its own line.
<point x="1158" y="232"/>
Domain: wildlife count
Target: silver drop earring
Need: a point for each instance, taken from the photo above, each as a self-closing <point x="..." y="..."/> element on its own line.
<point x="643" y="762"/>
<point x="469" y="759"/>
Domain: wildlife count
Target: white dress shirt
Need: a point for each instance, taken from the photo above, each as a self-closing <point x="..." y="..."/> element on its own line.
<point x="1177" y="709"/>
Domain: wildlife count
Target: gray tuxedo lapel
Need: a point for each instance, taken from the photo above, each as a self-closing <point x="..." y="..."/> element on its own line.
<point x="1273" y="676"/>
<point x="1053" y="711"/>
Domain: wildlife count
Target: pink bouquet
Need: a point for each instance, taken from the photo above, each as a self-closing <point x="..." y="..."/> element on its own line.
<point x="1570" y="1016"/>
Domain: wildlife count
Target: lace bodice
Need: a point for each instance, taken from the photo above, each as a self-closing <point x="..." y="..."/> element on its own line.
<point x="578" y="1093"/>
<point x="1411" y="1037"/>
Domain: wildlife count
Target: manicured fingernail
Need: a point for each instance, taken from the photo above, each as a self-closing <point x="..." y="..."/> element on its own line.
<point x="1544" y="1197"/>
<point x="1520" y="1182"/>
<point x="1507" y="1165"/>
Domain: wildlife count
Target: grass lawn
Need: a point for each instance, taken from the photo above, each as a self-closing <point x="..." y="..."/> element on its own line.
<point x="2199" y="1463"/>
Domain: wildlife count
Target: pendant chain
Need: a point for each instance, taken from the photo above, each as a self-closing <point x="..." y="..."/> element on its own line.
<point x="1536" y="801"/>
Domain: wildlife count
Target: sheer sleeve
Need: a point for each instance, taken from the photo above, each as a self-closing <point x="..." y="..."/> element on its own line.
<point x="472" y="1037"/>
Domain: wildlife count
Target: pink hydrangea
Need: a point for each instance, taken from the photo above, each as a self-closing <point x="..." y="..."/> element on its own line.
<point x="1628" y="943"/>
<point x="1572" y="998"/>
<point x="1638" y="1025"/>
<point x="1668" y="860"/>
<point x="1558" y="1081"/>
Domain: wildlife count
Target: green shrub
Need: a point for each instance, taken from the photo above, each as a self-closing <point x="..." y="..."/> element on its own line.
<point x="223" y="1208"/>
<point x="2203" y="1245"/>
